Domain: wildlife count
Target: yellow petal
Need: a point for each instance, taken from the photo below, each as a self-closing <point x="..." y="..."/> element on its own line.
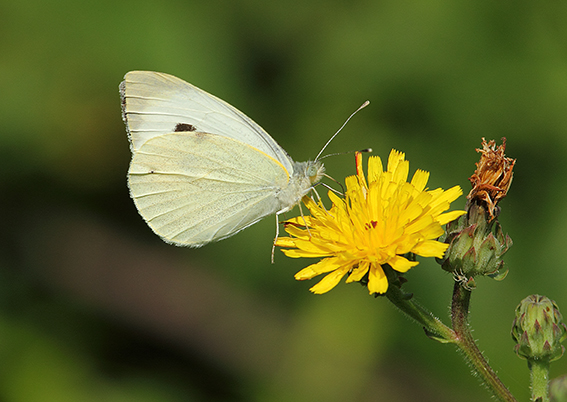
<point x="359" y="171"/>
<point x="437" y="209"/>
<point x="322" y="267"/>
<point x="443" y="219"/>
<point x="285" y="242"/>
<point x="377" y="281"/>
<point x="335" y="199"/>
<point x="298" y="221"/>
<point x="447" y="196"/>
<point x="309" y="203"/>
<point x="308" y="246"/>
<point x="401" y="173"/>
<point x="401" y="264"/>
<point x="329" y="281"/>
<point x="411" y="213"/>
<point x="358" y="272"/>
<point x="394" y="159"/>
<point x="421" y="224"/>
<point x="419" y="179"/>
<point x="453" y="193"/>
<point x="303" y="254"/>
<point x="423" y="199"/>
<point x="432" y="231"/>
<point x="430" y="248"/>
<point x="295" y="231"/>
<point x="352" y="184"/>
<point x="375" y="169"/>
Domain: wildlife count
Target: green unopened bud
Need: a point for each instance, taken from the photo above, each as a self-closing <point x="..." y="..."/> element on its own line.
<point x="476" y="246"/>
<point x="538" y="329"/>
<point x="558" y="389"/>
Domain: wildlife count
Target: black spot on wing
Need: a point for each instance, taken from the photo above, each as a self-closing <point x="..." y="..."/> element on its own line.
<point x="184" y="127"/>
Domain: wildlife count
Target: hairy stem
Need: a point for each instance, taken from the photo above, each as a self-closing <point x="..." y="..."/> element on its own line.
<point x="465" y="342"/>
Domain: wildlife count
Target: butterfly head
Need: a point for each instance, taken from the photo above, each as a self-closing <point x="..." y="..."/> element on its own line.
<point x="314" y="171"/>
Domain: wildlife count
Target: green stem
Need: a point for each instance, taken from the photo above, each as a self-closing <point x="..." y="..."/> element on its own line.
<point x="539" y="373"/>
<point x="433" y="327"/>
<point x="465" y="342"/>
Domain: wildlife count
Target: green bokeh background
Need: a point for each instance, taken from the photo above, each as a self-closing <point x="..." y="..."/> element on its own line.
<point x="95" y="307"/>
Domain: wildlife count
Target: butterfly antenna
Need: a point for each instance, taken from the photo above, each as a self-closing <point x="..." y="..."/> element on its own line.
<point x="346" y="153"/>
<point x="339" y="130"/>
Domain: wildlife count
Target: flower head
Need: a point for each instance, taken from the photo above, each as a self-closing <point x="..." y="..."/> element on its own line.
<point x="372" y="227"/>
<point x="477" y="242"/>
<point x="493" y="176"/>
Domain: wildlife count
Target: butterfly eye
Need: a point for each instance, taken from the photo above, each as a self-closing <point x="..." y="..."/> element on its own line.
<point x="311" y="171"/>
<point x="314" y="171"/>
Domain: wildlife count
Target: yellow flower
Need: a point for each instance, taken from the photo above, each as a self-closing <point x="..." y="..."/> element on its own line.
<point x="375" y="224"/>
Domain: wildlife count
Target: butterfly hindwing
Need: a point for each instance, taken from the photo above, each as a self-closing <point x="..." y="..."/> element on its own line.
<point x="193" y="188"/>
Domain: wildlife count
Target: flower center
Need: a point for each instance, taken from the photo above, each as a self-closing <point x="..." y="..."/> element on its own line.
<point x="370" y="225"/>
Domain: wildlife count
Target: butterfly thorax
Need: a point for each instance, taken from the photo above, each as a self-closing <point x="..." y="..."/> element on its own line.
<point x="305" y="176"/>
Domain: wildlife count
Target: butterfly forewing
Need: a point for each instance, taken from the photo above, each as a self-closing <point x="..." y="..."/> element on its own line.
<point x="155" y="103"/>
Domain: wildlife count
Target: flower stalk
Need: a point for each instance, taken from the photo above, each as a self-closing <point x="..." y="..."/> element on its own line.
<point x="465" y="342"/>
<point x="460" y="335"/>
<point x="539" y="378"/>
<point x="432" y="325"/>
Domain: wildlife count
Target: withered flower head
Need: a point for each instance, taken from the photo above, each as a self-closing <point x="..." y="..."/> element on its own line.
<point x="492" y="177"/>
<point x="476" y="241"/>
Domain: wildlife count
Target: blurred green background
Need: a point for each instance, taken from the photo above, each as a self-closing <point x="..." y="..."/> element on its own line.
<point x="95" y="307"/>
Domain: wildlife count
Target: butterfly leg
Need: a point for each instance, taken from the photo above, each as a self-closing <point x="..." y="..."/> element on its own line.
<point x="277" y="235"/>
<point x="304" y="220"/>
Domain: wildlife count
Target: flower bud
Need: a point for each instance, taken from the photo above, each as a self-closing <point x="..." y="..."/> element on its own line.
<point x="538" y="329"/>
<point x="476" y="246"/>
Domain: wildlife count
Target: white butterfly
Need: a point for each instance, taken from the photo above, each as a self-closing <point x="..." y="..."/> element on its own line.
<point x="201" y="170"/>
